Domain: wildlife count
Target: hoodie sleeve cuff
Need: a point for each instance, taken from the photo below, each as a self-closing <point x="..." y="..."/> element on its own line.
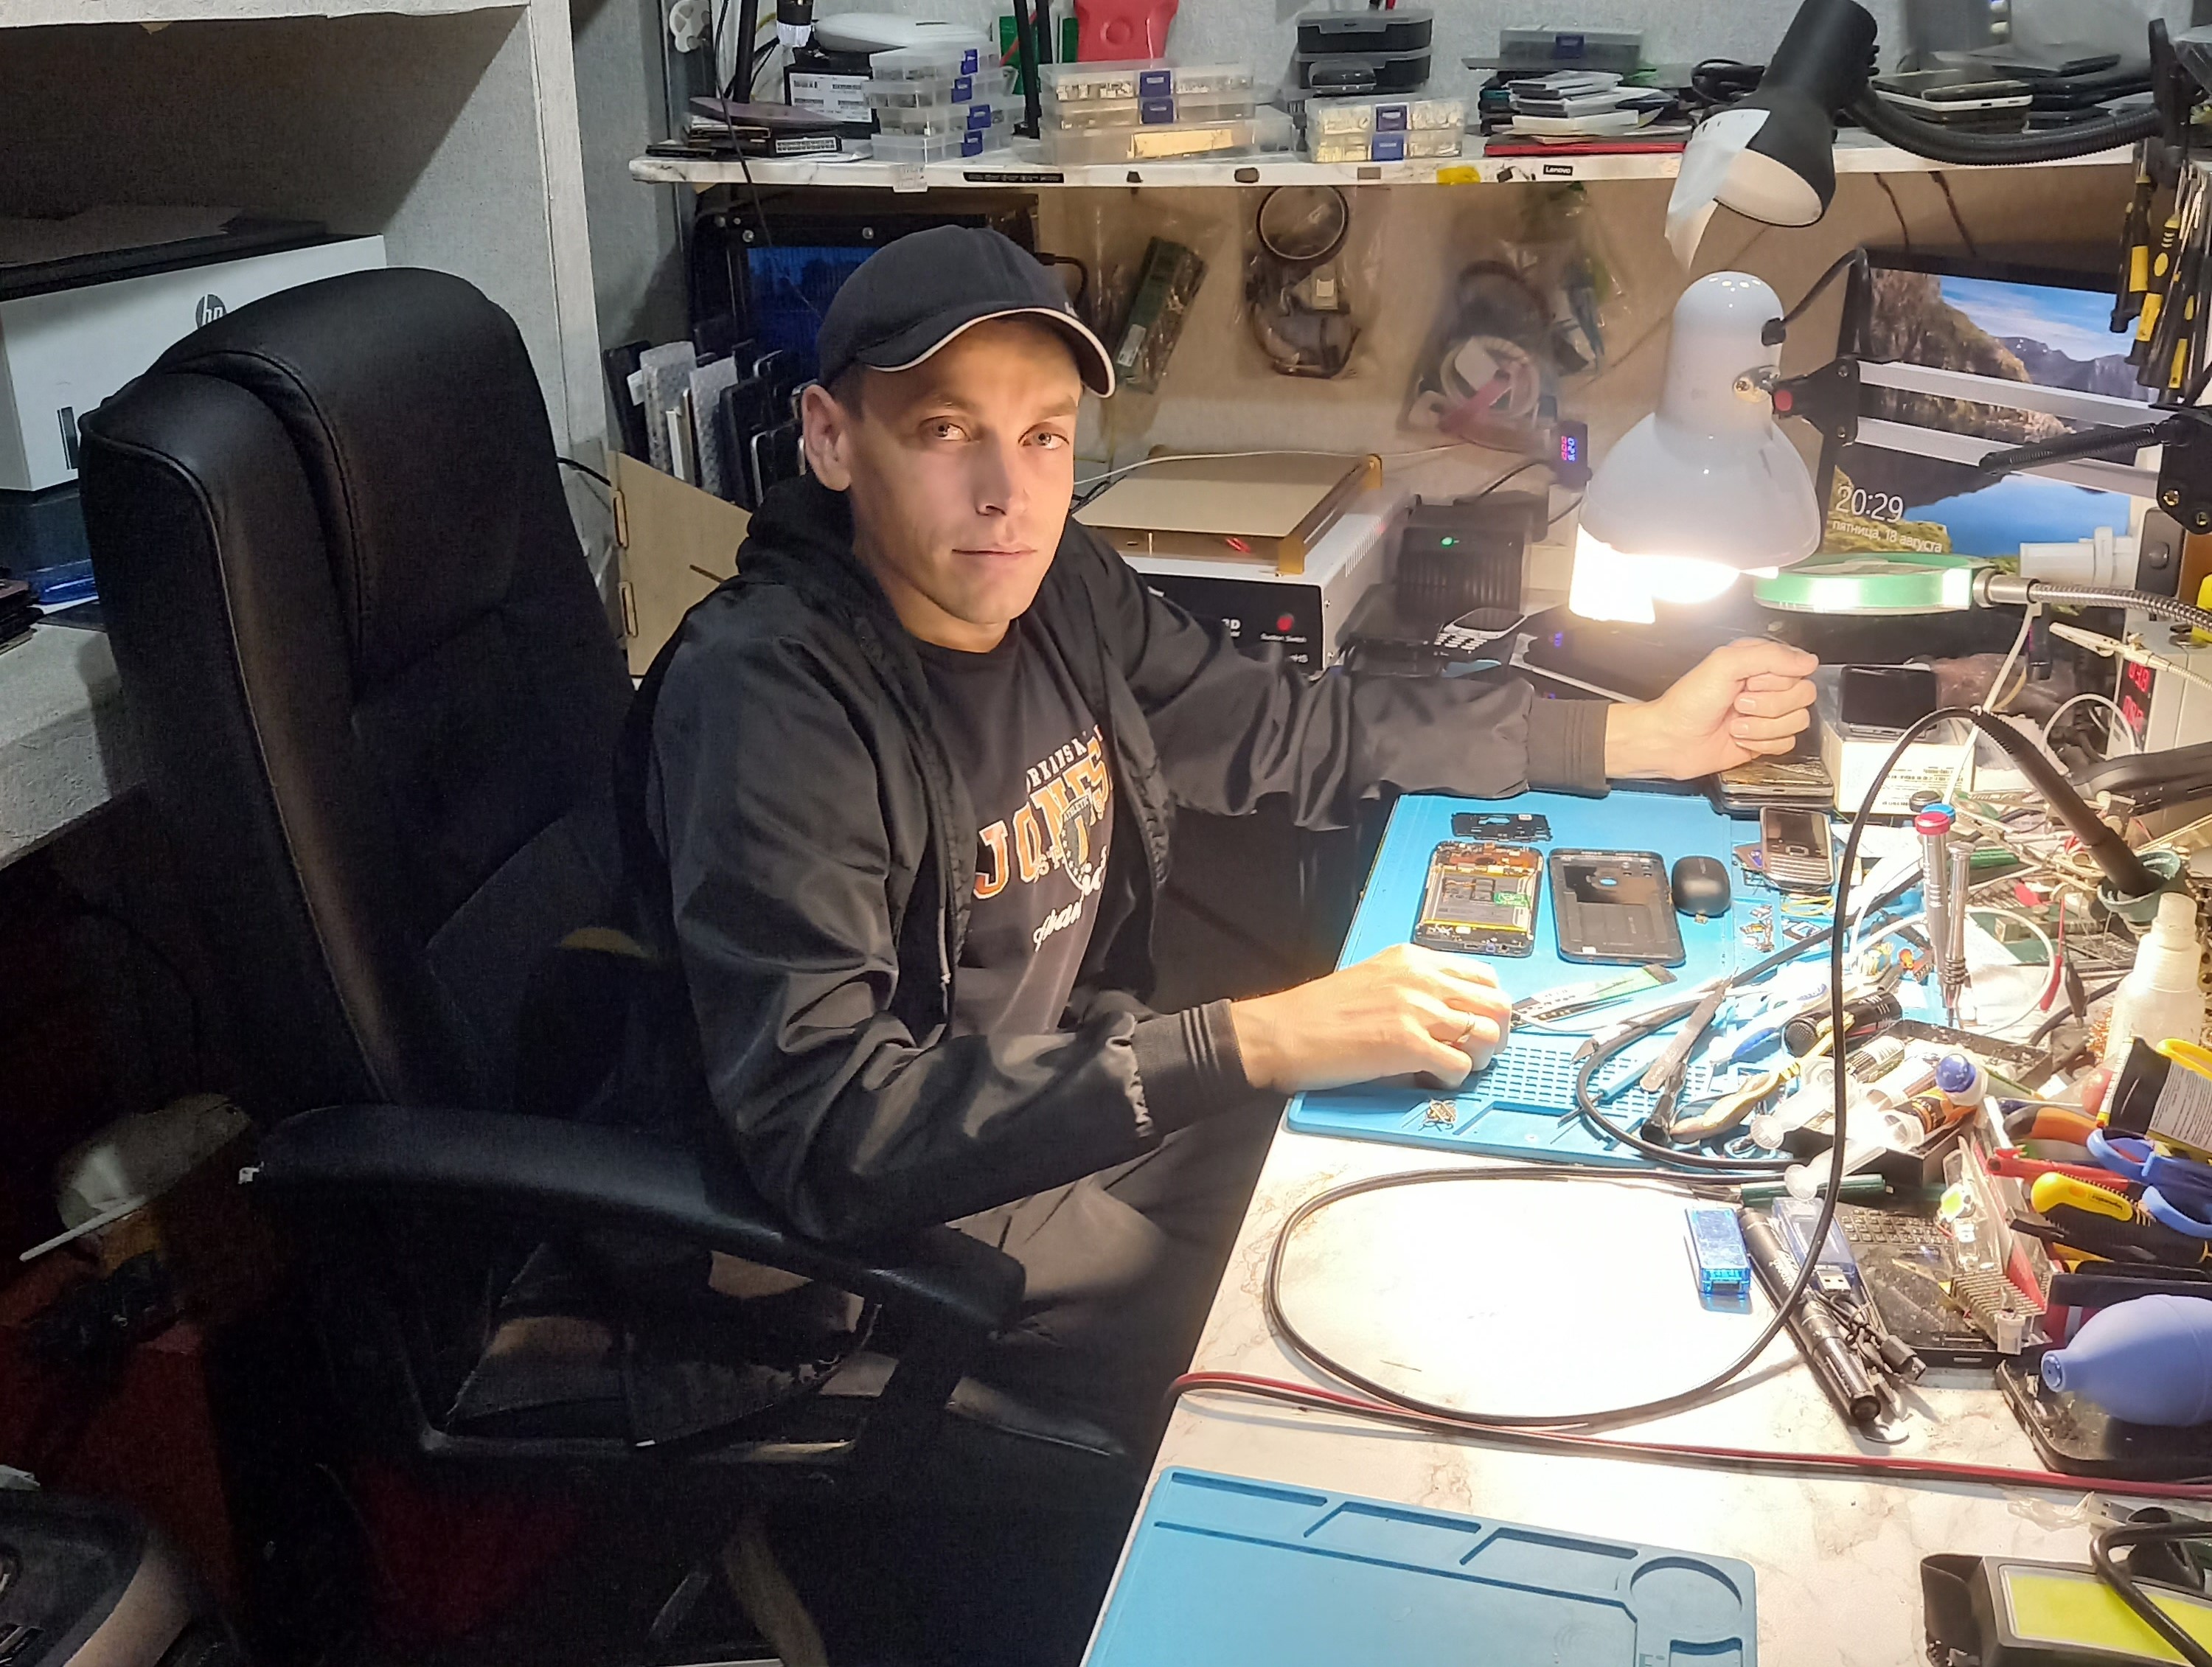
<point x="1188" y="1065"/>
<point x="1566" y="745"/>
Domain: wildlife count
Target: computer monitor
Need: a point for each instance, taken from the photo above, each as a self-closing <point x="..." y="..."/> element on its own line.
<point x="2026" y="324"/>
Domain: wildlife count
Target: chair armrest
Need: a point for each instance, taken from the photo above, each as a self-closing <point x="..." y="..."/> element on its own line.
<point x="578" y="1175"/>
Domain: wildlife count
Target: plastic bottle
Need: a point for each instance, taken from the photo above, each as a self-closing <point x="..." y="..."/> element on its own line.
<point x="1961" y="1081"/>
<point x="2160" y="998"/>
<point x="2147" y="1361"/>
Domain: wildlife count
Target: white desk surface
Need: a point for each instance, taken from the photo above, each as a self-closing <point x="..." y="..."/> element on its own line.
<point x="63" y="751"/>
<point x="1537" y="1296"/>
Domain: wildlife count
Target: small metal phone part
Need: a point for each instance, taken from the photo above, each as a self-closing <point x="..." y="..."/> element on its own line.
<point x="1477" y="824"/>
<point x="1717" y="1252"/>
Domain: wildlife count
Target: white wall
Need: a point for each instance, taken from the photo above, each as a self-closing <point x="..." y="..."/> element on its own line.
<point x="637" y="278"/>
<point x="1263" y="31"/>
<point x="1220" y="394"/>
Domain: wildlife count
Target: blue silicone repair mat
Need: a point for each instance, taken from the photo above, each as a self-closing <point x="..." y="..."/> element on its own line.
<point x="1225" y="1571"/>
<point x="1524" y="1102"/>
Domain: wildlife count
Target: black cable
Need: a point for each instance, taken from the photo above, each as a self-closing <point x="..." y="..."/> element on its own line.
<point x="2101" y="1545"/>
<point x="584" y="469"/>
<point x="768" y="237"/>
<point x="92" y="909"/>
<point x="1842" y="264"/>
<point x="1961" y="150"/>
<point x="1717" y="83"/>
<point x="1543" y="1170"/>
<point x="1082" y="273"/>
<point x="1958" y="219"/>
<point x="1572" y="504"/>
<point x="1522" y="468"/>
<point x="1896" y="208"/>
<point x="2064" y="1014"/>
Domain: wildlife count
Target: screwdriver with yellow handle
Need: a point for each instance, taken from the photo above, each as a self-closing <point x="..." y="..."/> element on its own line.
<point x="2108" y="1225"/>
<point x="2160" y="277"/>
<point x="2134" y="279"/>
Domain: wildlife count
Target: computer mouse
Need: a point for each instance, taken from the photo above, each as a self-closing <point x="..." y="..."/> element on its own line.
<point x="1701" y="887"/>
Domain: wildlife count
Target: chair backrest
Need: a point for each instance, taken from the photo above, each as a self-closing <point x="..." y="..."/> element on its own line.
<point x="373" y="689"/>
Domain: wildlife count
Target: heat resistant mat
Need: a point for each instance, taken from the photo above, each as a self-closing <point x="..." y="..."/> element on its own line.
<point x="1227" y="1572"/>
<point x="1523" y="1104"/>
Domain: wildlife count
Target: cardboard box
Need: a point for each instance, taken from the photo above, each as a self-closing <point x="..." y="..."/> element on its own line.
<point x="675" y="544"/>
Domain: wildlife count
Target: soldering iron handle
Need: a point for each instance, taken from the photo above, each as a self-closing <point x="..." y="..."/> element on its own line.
<point x="1826" y="1350"/>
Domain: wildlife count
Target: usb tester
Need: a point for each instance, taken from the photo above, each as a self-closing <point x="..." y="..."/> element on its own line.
<point x="1717" y="1252"/>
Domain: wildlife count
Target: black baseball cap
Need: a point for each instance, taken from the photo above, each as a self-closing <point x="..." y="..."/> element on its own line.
<point x="915" y="295"/>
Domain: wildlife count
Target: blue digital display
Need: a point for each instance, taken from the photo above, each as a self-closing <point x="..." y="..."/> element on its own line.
<point x="1570" y="449"/>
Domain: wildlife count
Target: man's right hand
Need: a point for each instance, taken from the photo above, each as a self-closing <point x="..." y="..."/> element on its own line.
<point x="1405" y="1011"/>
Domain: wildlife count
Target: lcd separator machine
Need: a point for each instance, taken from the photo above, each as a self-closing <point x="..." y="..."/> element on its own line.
<point x="1304" y="614"/>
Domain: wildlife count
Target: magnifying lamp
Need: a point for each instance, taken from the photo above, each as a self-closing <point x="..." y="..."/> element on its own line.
<point x="1707" y="488"/>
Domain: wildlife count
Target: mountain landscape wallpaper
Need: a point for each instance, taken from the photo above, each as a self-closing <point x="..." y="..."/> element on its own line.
<point x="2044" y="334"/>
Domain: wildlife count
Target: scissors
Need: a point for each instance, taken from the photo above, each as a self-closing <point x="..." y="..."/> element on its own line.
<point x="2176" y="1192"/>
<point x="2187" y="1054"/>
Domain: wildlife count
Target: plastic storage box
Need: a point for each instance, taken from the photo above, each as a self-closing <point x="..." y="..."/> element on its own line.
<point x="907" y="148"/>
<point x="921" y="95"/>
<point x="1333" y="117"/>
<point x="939" y="118"/>
<point x="941" y="60"/>
<point x="1148" y="113"/>
<point x="1148" y="78"/>
<point x="1428" y="143"/>
<point x="1263" y="131"/>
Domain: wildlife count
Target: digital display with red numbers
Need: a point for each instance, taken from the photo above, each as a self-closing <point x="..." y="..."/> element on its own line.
<point x="2133" y="697"/>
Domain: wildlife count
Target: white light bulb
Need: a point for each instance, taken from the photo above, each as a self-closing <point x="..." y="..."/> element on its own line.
<point x="1608" y="585"/>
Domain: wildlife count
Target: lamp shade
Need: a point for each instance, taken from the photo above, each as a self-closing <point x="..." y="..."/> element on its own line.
<point x="1771" y="156"/>
<point x="1707" y="487"/>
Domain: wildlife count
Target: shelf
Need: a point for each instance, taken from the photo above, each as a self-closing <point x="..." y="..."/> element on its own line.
<point x="62" y="750"/>
<point x="35" y="13"/>
<point x="1019" y="166"/>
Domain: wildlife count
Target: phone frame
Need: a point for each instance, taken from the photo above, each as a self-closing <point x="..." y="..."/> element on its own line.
<point x="1668" y="950"/>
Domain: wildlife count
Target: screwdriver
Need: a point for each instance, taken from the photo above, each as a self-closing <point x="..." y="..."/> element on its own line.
<point x="2162" y="274"/>
<point x="2171" y="335"/>
<point x="2134" y="278"/>
<point x="2097" y="1221"/>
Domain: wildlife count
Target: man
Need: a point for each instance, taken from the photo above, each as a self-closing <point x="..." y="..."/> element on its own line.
<point x="910" y="782"/>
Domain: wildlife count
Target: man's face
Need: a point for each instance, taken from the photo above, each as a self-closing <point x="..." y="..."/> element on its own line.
<point x="960" y="473"/>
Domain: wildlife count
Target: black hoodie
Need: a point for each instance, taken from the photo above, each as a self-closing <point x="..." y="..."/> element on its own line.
<point x="806" y="858"/>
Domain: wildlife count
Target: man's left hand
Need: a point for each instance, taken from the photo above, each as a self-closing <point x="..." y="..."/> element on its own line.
<point x="1749" y="700"/>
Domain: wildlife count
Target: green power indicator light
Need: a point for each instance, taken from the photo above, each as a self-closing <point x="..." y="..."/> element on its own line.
<point x="1447" y="544"/>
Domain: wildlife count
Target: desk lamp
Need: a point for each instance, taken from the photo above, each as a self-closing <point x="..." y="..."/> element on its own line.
<point x="1706" y="488"/>
<point x="1771" y="157"/>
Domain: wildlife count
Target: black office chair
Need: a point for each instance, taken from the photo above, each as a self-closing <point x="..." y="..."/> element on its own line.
<point x="377" y="699"/>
